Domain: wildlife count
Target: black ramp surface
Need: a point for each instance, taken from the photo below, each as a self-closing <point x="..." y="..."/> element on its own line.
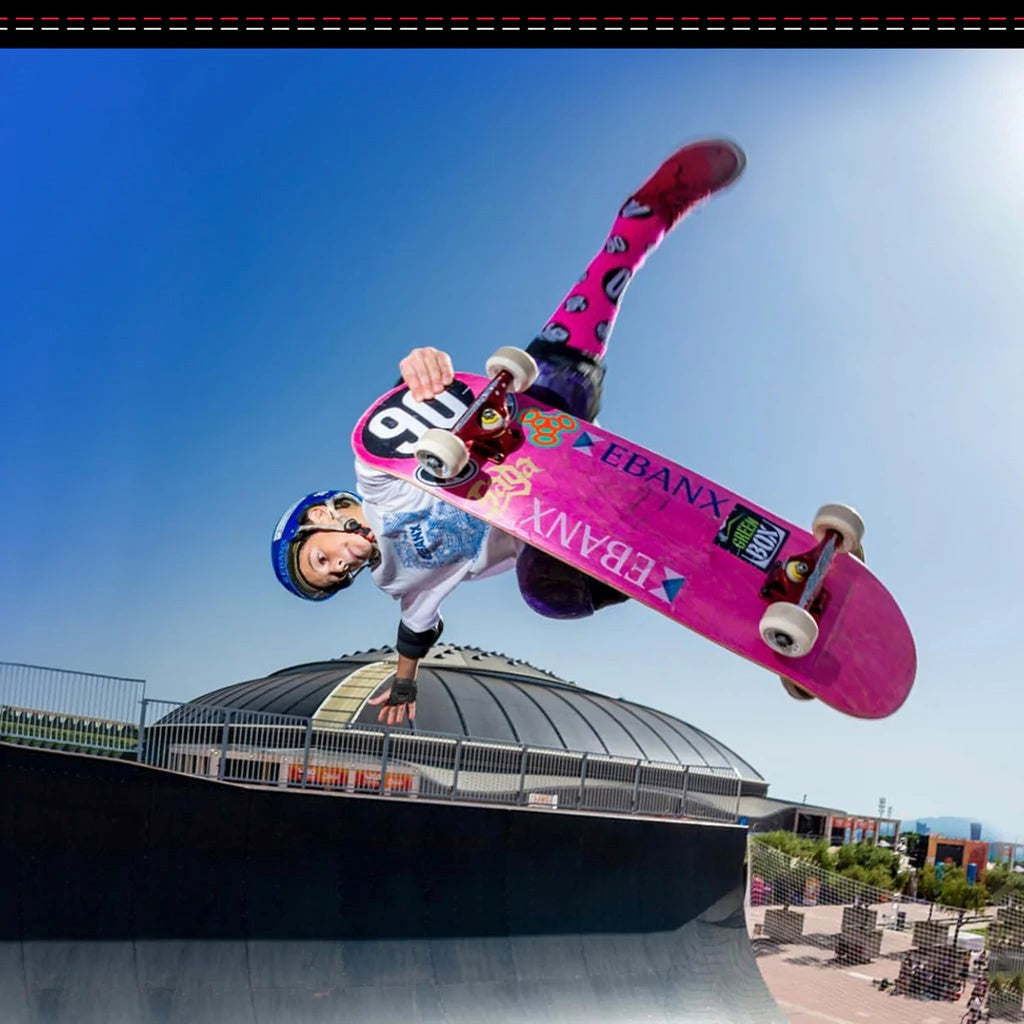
<point x="133" y="896"/>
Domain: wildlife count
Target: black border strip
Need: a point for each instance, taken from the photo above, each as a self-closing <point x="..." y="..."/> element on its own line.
<point x="505" y="30"/>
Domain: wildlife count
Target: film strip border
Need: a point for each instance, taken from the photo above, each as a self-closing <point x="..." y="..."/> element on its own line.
<point x="12" y="26"/>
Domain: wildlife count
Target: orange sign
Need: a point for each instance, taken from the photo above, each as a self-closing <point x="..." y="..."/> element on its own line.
<point x="351" y="778"/>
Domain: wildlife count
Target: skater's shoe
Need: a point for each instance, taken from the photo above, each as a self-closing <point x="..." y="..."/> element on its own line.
<point x="688" y="176"/>
<point x="798" y="692"/>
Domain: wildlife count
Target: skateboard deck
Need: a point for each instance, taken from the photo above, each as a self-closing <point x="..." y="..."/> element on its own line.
<point x="668" y="537"/>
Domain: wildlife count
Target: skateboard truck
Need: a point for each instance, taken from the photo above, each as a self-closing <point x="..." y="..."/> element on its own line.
<point x="789" y="625"/>
<point x="487" y="427"/>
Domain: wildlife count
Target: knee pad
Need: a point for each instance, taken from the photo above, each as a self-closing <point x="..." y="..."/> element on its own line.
<point x="552" y="588"/>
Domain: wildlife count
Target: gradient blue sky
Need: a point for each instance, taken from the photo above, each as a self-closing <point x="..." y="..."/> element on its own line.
<point x="213" y="261"/>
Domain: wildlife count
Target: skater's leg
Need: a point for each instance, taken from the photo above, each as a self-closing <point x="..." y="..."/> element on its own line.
<point x="569" y="351"/>
<point x="570" y="348"/>
<point x="585" y="318"/>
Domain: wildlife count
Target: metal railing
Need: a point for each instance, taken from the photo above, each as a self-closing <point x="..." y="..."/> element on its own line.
<point x="235" y="745"/>
<point x="68" y="710"/>
<point x="80" y="711"/>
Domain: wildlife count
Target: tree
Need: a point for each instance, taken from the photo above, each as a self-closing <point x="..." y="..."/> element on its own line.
<point x="1004" y="884"/>
<point x="872" y="865"/>
<point x="957" y="892"/>
<point x="928" y="884"/>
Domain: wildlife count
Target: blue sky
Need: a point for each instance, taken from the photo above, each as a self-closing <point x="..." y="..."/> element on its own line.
<point x="215" y="259"/>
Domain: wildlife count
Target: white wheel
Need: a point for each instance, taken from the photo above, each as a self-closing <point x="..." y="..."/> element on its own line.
<point x="441" y="453"/>
<point x="788" y="629"/>
<point x="844" y="520"/>
<point x="517" y="362"/>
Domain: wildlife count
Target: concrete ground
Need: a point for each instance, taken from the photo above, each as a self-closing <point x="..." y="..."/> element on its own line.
<point x="810" y="986"/>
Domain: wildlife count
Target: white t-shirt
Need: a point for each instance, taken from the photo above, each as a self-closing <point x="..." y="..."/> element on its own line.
<point x="427" y="547"/>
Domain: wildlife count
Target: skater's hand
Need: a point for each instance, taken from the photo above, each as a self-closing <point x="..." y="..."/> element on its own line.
<point x="426" y="372"/>
<point x="395" y="700"/>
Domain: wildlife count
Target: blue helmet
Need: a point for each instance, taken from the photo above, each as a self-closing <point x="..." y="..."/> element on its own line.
<point x="289" y="534"/>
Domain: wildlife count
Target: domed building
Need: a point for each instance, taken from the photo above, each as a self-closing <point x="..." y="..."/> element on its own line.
<point x="487" y="728"/>
<point x="464" y="691"/>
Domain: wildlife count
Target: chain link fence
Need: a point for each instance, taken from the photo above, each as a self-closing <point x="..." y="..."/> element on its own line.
<point x="967" y="965"/>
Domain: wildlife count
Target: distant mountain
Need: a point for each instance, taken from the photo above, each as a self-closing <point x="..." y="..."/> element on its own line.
<point x="958" y="828"/>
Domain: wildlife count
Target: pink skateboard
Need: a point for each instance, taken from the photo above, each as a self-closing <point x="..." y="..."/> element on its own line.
<point x="793" y="601"/>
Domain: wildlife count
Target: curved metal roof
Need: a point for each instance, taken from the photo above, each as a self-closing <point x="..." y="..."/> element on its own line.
<point x="464" y="691"/>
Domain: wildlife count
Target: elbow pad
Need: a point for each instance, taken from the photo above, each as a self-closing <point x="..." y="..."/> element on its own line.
<point x="417" y="645"/>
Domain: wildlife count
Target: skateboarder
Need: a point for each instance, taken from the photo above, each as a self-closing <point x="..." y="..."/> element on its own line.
<point x="419" y="548"/>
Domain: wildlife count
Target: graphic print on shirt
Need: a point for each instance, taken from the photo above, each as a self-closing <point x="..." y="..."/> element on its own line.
<point x="439" y="535"/>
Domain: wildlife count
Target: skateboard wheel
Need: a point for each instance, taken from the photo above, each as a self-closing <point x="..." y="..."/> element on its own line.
<point x="515" y="361"/>
<point x="844" y="520"/>
<point x="788" y="629"/>
<point x="441" y="453"/>
<point x="795" y="690"/>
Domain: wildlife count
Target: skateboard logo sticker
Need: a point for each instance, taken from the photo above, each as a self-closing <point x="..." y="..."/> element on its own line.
<point x="512" y="480"/>
<point x="751" y="537"/>
<point x="668" y="589"/>
<point x="700" y="495"/>
<point x="584" y="443"/>
<point x="609" y="555"/>
<point x="545" y="430"/>
<point x="394" y="427"/>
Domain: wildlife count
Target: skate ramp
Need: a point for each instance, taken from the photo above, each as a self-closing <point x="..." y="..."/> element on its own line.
<point x="134" y="896"/>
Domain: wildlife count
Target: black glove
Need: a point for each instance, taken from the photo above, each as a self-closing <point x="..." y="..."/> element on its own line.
<point x="403" y="691"/>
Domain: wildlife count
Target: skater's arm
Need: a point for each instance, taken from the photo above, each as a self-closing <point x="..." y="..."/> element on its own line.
<point x="407" y="667"/>
<point x="412" y="646"/>
<point x="426" y="372"/>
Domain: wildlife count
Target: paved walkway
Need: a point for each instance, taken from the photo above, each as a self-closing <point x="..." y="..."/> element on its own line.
<point x="811" y="987"/>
